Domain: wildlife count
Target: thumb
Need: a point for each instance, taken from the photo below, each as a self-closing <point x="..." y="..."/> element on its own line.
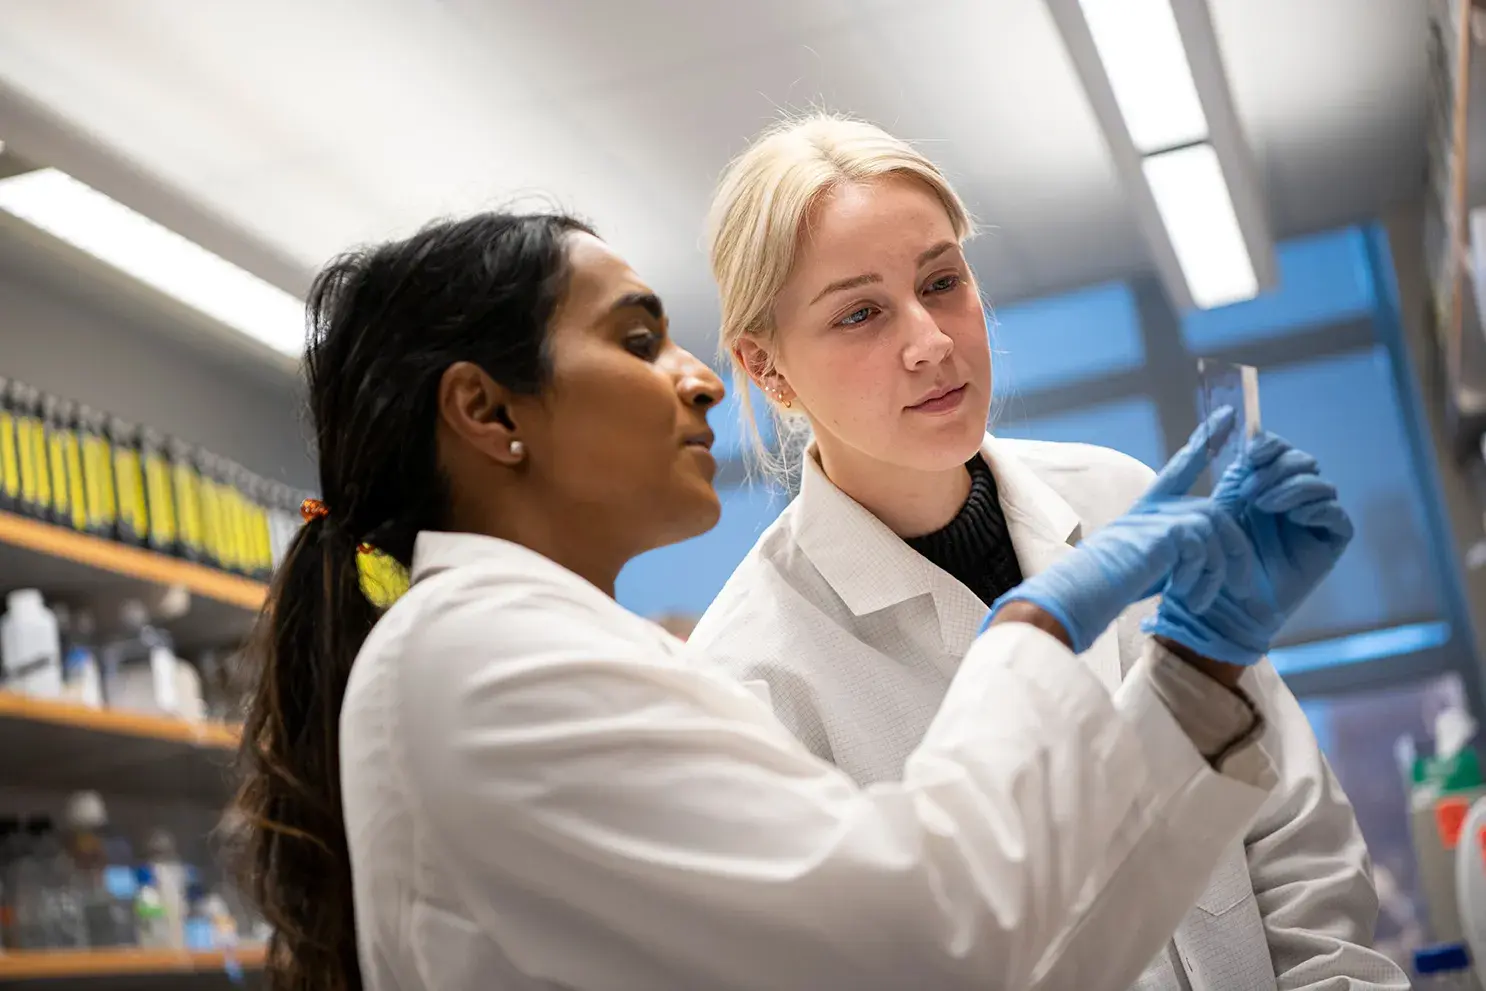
<point x="1188" y="464"/>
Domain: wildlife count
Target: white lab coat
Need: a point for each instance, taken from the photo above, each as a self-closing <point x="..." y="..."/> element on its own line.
<point x="858" y="636"/>
<point x="541" y="791"/>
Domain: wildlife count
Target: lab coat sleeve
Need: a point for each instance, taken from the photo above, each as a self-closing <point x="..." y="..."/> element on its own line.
<point x="1308" y="861"/>
<point x="616" y="819"/>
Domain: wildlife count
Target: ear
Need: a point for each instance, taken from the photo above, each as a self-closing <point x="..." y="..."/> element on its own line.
<point x="756" y="360"/>
<point x="478" y="410"/>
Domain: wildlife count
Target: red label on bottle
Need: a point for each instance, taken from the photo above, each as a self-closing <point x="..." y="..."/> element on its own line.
<point x="1449" y="818"/>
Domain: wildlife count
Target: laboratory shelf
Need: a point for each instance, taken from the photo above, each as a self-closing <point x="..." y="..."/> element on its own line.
<point x="114" y="968"/>
<point x="59" y="745"/>
<point x="78" y="567"/>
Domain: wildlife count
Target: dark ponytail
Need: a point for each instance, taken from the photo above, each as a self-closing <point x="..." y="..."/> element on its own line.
<point x="384" y="325"/>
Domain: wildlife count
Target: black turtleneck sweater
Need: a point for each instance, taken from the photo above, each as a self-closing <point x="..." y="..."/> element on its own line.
<point x="975" y="546"/>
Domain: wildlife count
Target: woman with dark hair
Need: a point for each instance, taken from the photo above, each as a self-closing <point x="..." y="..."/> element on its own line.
<point x="506" y="780"/>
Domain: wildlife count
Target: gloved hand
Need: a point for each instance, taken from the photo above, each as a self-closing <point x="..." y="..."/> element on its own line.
<point x="1166" y="540"/>
<point x="1298" y="530"/>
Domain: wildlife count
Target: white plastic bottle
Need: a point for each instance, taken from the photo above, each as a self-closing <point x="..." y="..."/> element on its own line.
<point x="189" y="702"/>
<point x="153" y="932"/>
<point x="1470" y="885"/>
<point x="31" y="645"/>
<point x="170" y="884"/>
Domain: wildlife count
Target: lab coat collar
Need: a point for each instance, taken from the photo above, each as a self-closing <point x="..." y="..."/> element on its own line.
<point x="1041" y="523"/>
<point x="871" y="567"/>
<point x="437" y="551"/>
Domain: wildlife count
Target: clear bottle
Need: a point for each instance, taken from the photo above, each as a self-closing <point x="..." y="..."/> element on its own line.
<point x="121" y="880"/>
<point x="170" y="881"/>
<point x="108" y="907"/>
<point x="48" y="908"/>
<point x="199" y="936"/>
<point x="82" y="678"/>
<point x="139" y="668"/>
<point x="149" y="912"/>
<point x="1444" y="967"/>
<point x="22" y="886"/>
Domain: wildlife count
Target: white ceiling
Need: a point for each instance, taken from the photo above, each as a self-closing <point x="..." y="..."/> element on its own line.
<point x="310" y="126"/>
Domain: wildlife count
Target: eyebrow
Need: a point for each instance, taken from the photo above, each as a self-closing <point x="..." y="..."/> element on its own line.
<point x="647" y="301"/>
<point x="935" y="252"/>
<point x="841" y="285"/>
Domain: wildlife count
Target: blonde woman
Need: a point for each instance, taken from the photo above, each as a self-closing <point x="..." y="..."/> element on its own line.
<point x="847" y="299"/>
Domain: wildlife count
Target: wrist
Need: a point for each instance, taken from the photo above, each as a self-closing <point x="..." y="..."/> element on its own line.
<point x="1224" y="674"/>
<point x="1022" y="611"/>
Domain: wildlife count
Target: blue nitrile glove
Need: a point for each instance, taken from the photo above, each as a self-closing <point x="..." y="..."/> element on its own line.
<point x="1297" y="529"/>
<point x="1166" y="540"/>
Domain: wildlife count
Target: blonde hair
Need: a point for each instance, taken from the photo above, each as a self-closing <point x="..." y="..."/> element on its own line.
<point x="760" y="209"/>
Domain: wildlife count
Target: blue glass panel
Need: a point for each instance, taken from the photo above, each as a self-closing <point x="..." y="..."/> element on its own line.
<point x="1131" y="426"/>
<point x="1066" y="338"/>
<point x="1323" y="279"/>
<point x="686" y="577"/>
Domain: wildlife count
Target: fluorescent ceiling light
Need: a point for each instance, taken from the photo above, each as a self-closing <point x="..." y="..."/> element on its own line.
<point x="111" y="232"/>
<point x="1142" y="52"/>
<point x="1194" y="204"/>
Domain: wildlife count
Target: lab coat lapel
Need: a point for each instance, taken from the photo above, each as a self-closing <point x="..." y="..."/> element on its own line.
<point x="1043" y="528"/>
<point x="866" y="564"/>
<point x="872" y="568"/>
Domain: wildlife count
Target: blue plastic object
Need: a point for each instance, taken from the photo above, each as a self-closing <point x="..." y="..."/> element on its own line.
<point x="1445" y="958"/>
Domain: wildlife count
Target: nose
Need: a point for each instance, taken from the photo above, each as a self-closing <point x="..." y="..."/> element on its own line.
<point x="696" y="384"/>
<point x="927" y="344"/>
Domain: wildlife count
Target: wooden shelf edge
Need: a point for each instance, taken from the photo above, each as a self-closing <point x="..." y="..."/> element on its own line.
<point x="131" y="562"/>
<point x="20" y="965"/>
<point x="205" y="734"/>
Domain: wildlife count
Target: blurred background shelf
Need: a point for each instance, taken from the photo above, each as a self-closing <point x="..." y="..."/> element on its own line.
<point x="72" y="566"/>
<point x="61" y="745"/>
<point x="119" y="969"/>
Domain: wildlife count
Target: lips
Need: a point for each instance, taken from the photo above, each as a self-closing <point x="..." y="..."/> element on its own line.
<point x="941" y="398"/>
<point x="703" y="439"/>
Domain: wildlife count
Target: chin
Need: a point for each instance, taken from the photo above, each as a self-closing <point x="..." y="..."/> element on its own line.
<point x="694" y="511"/>
<point x="946" y="445"/>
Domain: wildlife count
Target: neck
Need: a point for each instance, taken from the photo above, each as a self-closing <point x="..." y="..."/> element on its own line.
<point x="559" y="538"/>
<point x="910" y="503"/>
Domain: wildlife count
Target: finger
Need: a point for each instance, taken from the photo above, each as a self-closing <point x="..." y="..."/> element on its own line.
<point x="1293" y="493"/>
<point x="1326" y="516"/>
<point x="1263" y="448"/>
<point x="1191" y="554"/>
<point x="1226" y="492"/>
<point x="1210" y="580"/>
<point x="1261" y="451"/>
<point x="1188" y="464"/>
<point x="1287" y="465"/>
<point x="1238" y="551"/>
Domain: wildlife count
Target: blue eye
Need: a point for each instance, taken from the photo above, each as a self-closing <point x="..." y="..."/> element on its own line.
<point x="856" y="316"/>
<point x="944" y="283"/>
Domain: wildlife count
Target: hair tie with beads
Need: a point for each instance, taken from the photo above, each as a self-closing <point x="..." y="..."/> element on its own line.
<point x="313" y="509"/>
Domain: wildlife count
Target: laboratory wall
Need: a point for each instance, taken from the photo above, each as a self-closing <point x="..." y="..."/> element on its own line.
<point x="79" y="346"/>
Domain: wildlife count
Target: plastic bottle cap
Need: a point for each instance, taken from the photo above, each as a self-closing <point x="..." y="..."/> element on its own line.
<point x="24" y="598"/>
<point x="1441" y="959"/>
<point x="85" y="810"/>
